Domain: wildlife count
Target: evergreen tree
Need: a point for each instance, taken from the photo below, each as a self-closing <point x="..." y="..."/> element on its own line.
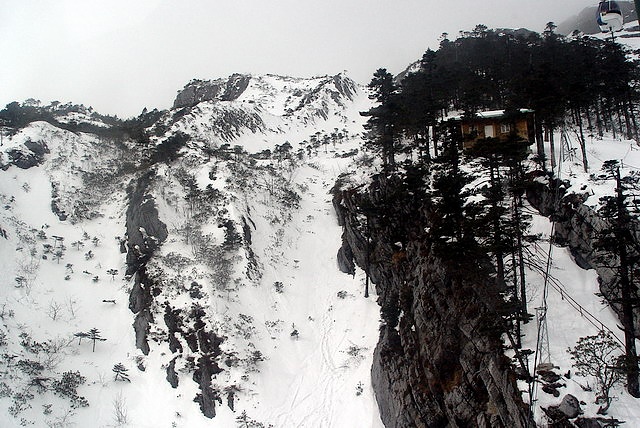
<point x="94" y="336"/>
<point x="121" y="372"/>
<point x="451" y="230"/>
<point x="81" y="335"/>
<point x="382" y="122"/>
<point x="620" y="239"/>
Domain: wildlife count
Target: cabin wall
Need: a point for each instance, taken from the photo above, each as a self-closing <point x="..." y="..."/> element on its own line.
<point x="523" y="128"/>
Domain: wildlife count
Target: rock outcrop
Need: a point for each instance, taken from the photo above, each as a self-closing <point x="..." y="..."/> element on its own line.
<point x="30" y="154"/>
<point x="439" y="361"/>
<point x="197" y="91"/>
<point x="145" y="233"/>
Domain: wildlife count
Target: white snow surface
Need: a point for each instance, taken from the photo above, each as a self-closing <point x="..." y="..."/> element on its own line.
<point x="318" y="378"/>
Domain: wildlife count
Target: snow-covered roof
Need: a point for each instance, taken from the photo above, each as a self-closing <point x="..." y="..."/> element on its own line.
<point x="487" y="114"/>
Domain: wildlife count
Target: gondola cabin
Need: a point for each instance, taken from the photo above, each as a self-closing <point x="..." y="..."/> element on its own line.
<point x="609" y="17"/>
<point x="496" y="124"/>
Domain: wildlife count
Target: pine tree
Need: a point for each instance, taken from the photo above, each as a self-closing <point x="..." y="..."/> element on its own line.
<point x="620" y="238"/>
<point x="94" y="335"/>
<point x="121" y="372"/>
<point x="81" y="335"/>
<point x="451" y="231"/>
<point x="382" y="123"/>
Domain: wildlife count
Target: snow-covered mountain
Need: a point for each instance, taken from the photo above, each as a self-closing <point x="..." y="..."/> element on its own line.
<point x="179" y="269"/>
<point x="204" y="265"/>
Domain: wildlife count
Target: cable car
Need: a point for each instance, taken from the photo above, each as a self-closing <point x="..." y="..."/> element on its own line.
<point x="610" y="17"/>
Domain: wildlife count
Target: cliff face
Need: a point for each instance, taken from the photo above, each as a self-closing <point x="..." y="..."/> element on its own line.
<point x="577" y="227"/>
<point x="439" y="361"/>
<point x="220" y="89"/>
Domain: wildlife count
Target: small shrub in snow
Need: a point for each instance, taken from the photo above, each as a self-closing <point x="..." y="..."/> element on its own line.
<point x="244" y="326"/>
<point x="278" y="286"/>
<point x="54" y="310"/>
<point x="359" y="389"/>
<point x="294" y="333"/>
<point x="342" y="294"/>
<point x="252" y="361"/>
<point x="67" y="386"/>
<point x="195" y="291"/>
<point x="5" y="312"/>
<point x="5" y="390"/>
<point x="120" y="417"/>
<point x="244" y="421"/>
<point x="30" y="367"/>
<point x="20" y="402"/>
<point x="599" y="357"/>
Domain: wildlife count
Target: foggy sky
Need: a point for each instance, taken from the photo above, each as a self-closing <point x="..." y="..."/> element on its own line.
<point x="121" y="56"/>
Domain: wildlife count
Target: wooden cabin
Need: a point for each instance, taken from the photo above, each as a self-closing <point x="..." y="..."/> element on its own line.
<point x="495" y="124"/>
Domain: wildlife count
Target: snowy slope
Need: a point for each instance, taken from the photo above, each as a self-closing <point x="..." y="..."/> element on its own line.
<point x="574" y="308"/>
<point x="261" y="253"/>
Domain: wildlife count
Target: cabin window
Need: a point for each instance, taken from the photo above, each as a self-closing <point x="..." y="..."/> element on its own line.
<point x="489" y="131"/>
<point x="505" y="128"/>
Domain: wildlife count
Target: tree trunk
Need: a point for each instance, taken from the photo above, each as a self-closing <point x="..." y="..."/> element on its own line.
<point x="366" y="281"/>
<point x="497" y="231"/>
<point x="540" y="144"/>
<point x="633" y="118"/>
<point x="552" y="147"/>
<point x="583" y="146"/>
<point x="627" y="294"/>
<point x="599" y="120"/>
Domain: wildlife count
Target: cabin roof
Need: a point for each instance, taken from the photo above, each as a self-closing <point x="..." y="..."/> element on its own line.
<point x="491" y="114"/>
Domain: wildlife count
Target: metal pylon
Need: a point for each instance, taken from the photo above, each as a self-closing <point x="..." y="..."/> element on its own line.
<point x="544" y="351"/>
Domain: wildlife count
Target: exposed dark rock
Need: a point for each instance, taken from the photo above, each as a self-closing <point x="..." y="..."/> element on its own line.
<point x="587" y="423"/>
<point x="345" y="259"/>
<point x="173" y="321"/>
<point x="230" y="399"/>
<point x="145" y="231"/>
<point x="55" y="202"/>
<point x="551" y="389"/>
<point x="172" y="376"/>
<point x="346" y="87"/>
<point x="208" y="396"/>
<point x="197" y="91"/>
<point x="570" y="406"/>
<point x="556" y="417"/>
<point x="549" y="376"/>
<point x="439" y="361"/>
<point x="141" y="327"/>
<point x="25" y="159"/>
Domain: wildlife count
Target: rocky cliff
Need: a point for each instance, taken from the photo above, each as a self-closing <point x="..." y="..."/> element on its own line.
<point x="439" y="361"/>
<point x="576" y="227"/>
<point x="212" y="90"/>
